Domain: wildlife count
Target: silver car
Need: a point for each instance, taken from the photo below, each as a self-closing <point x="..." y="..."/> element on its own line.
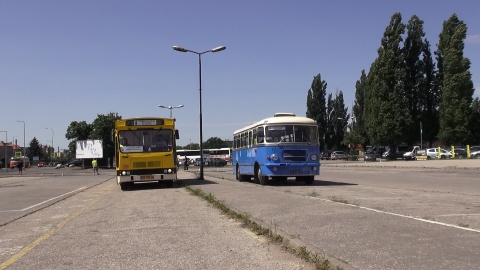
<point x="338" y="155"/>
<point x="432" y="153"/>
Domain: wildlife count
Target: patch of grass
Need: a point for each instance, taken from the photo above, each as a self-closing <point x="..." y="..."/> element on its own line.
<point x="313" y="194"/>
<point x="302" y="252"/>
<point x="428" y="218"/>
<point x="339" y="200"/>
<point x="464" y="225"/>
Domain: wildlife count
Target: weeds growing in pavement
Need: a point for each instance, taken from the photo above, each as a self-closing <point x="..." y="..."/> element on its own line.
<point x="302" y="252"/>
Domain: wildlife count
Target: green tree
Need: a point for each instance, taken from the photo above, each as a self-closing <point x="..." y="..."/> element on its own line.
<point x="77" y="131"/>
<point x="316" y="109"/>
<point x="456" y="84"/>
<point x="102" y="128"/>
<point x="358" y="134"/>
<point x="429" y="97"/>
<point x="475" y="122"/>
<point x="35" y="150"/>
<point x="215" y="142"/>
<point x="413" y="48"/>
<point x="330" y="120"/>
<point x="340" y="120"/>
<point x="386" y="106"/>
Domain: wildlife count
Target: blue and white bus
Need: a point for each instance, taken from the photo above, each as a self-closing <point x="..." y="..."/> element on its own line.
<point x="276" y="148"/>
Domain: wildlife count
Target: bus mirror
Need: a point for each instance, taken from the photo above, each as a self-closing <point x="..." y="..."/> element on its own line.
<point x="177" y="134"/>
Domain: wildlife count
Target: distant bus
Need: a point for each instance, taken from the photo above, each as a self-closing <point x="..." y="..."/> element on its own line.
<point x="276" y="148"/>
<point x="145" y="150"/>
<point x="192" y="154"/>
<point x="14" y="162"/>
<point x="223" y="153"/>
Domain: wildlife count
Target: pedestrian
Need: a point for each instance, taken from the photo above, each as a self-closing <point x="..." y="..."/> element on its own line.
<point x="20" y="167"/>
<point x="95" y="166"/>
<point x="185" y="164"/>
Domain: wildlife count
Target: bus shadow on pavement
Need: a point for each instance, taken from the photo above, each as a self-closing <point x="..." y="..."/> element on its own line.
<point x="315" y="183"/>
<point x="195" y="182"/>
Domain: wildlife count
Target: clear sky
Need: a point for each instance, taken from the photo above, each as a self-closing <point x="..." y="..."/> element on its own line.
<point x="64" y="61"/>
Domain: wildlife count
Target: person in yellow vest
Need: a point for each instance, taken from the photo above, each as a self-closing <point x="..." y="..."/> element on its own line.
<point x="95" y="166"/>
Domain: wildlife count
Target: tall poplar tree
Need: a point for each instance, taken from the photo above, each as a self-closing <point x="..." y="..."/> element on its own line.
<point x="412" y="49"/>
<point x="357" y="134"/>
<point x="340" y="120"/>
<point x="386" y="107"/>
<point x="456" y="85"/>
<point x="429" y="97"/>
<point x="316" y="106"/>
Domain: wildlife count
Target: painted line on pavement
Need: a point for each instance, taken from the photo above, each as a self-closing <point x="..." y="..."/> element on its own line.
<point x="24" y="209"/>
<point x="400" y="215"/>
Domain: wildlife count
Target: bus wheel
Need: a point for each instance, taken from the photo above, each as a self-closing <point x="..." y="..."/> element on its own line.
<point x="123" y="186"/>
<point x="238" y="176"/>
<point x="261" y="178"/>
<point x="309" y="179"/>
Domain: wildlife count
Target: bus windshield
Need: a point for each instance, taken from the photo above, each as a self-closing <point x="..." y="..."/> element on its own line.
<point x="289" y="133"/>
<point x="145" y="140"/>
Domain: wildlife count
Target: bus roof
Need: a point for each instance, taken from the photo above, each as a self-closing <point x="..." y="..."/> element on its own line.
<point x="280" y="118"/>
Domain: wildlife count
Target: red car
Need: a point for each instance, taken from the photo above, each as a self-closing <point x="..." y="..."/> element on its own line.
<point x="41" y="164"/>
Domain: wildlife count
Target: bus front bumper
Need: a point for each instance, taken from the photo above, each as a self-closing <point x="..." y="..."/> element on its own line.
<point x="146" y="178"/>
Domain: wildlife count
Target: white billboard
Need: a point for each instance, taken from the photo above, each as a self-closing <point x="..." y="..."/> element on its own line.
<point x="89" y="149"/>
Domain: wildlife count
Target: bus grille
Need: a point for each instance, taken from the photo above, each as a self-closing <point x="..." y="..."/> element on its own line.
<point x="295" y="155"/>
<point x="149" y="164"/>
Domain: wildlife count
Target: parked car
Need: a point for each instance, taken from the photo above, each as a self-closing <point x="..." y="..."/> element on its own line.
<point x="432" y="153"/>
<point x="475" y="154"/>
<point x="411" y="153"/>
<point x="460" y="153"/>
<point x="75" y="162"/>
<point x="338" y="155"/>
<point x="370" y="156"/>
<point x="217" y="162"/>
<point x="326" y="155"/>
<point x="41" y="164"/>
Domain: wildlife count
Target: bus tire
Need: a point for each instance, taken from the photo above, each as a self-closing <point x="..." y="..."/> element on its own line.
<point x="123" y="186"/>
<point x="262" y="179"/>
<point x="309" y="179"/>
<point x="238" y="176"/>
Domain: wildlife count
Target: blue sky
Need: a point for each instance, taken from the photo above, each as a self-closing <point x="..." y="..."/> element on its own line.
<point x="64" y="61"/>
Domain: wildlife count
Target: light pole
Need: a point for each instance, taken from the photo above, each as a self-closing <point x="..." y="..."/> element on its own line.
<point x="217" y="49"/>
<point x="23" y="150"/>
<point x="170" y="108"/>
<point x="53" y="146"/>
<point x="5" y="148"/>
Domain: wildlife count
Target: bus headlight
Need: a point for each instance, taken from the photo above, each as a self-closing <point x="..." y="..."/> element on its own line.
<point x="274" y="157"/>
<point x="313" y="157"/>
<point x="124" y="172"/>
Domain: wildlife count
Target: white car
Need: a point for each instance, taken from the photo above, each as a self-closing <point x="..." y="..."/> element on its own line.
<point x="432" y="153"/>
<point x="338" y="155"/>
<point x="475" y="154"/>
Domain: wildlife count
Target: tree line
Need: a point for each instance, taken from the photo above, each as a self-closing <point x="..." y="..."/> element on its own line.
<point x="406" y="96"/>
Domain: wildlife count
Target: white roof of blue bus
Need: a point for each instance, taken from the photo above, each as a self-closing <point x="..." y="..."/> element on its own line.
<point x="281" y="118"/>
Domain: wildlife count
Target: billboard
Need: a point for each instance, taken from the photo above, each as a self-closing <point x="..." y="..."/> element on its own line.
<point x="89" y="149"/>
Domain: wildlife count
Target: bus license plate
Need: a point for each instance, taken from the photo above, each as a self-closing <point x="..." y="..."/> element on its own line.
<point x="295" y="171"/>
<point x="146" y="177"/>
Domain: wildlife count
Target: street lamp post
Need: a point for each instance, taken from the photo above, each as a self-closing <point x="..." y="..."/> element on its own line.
<point x="217" y="49"/>
<point x="170" y="108"/>
<point x="5" y="148"/>
<point x="23" y="150"/>
<point x="53" y="146"/>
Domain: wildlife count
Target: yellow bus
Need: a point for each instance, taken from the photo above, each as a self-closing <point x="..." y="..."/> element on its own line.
<point x="145" y="150"/>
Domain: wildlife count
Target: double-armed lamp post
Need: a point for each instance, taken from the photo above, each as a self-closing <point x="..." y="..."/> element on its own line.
<point x="217" y="49"/>
<point x="170" y="108"/>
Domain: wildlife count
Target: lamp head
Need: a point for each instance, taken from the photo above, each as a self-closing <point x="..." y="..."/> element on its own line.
<point x="180" y="49"/>
<point x="218" y="49"/>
